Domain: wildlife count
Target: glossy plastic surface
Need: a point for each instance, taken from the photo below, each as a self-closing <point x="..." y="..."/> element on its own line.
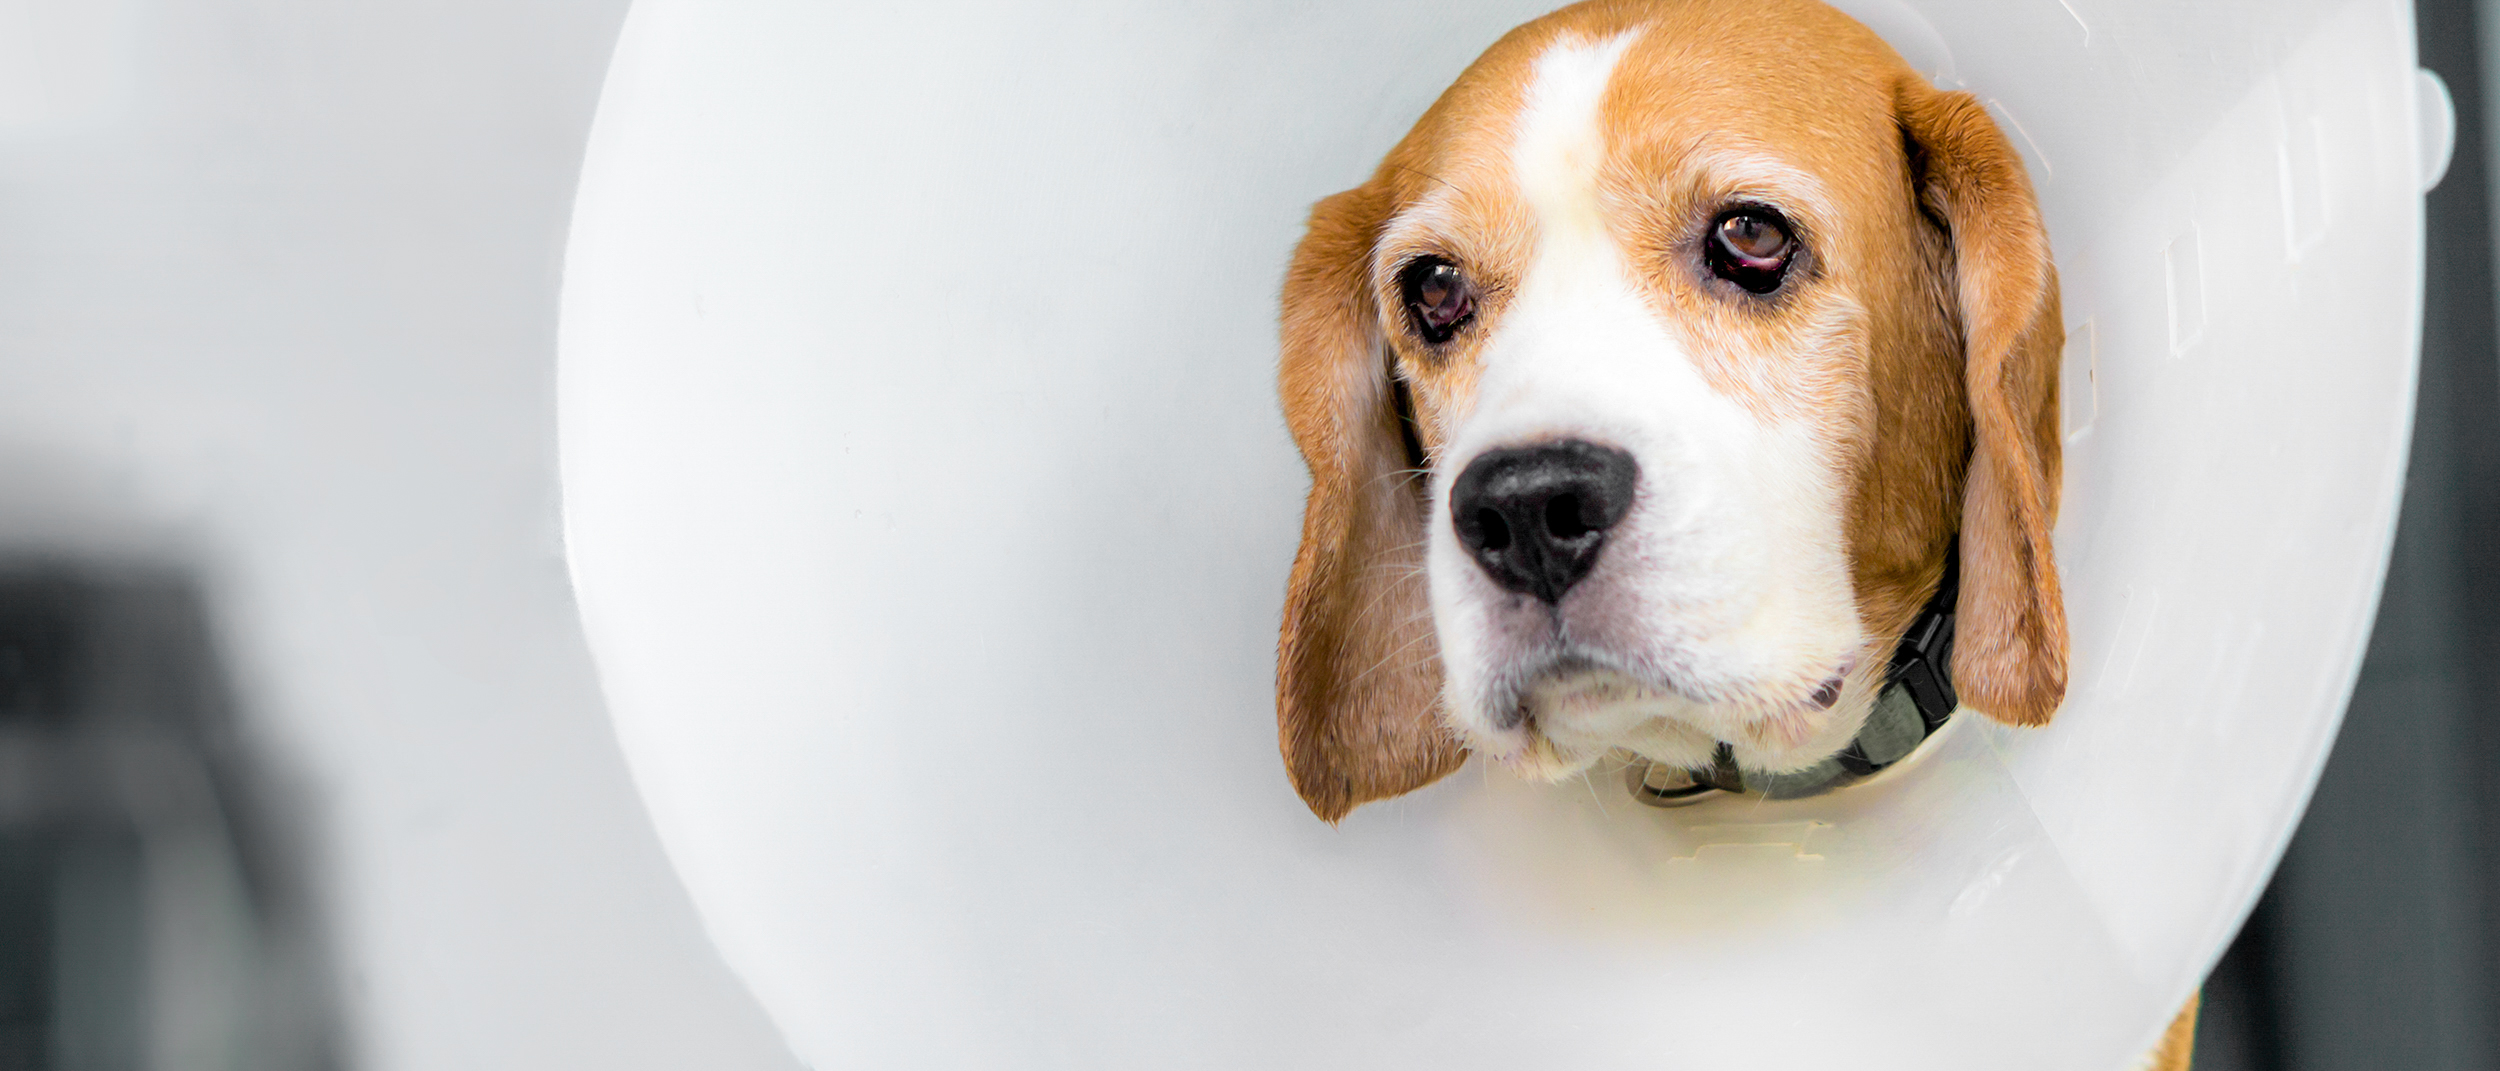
<point x="930" y="511"/>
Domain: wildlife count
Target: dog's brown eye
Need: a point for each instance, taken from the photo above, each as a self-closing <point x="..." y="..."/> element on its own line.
<point x="1751" y="247"/>
<point x="1439" y="298"/>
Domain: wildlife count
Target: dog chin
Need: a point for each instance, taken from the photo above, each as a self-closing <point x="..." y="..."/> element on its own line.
<point x="1577" y="715"/>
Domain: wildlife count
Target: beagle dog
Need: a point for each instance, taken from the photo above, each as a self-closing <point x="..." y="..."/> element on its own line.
<point x="1684" y="357"/>
<point x="1649" y="388"/>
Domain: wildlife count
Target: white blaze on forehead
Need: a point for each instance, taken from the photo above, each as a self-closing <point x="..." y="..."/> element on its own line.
<point x="1560" y="146"/>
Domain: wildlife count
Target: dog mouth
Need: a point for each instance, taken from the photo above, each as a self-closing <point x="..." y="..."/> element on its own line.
<point x="1557" y="714"/>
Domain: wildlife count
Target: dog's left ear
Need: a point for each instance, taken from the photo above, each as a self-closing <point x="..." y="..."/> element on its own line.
<point x="2009" y="645"/>
<point x="1358" y="672"/>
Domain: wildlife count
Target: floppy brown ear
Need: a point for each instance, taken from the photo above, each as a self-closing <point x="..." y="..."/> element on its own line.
<point x="1358" y="673"/>
<point x="2009" y="645"/>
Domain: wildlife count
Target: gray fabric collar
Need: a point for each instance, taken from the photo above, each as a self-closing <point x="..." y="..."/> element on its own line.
<point x="1916" y="700"/>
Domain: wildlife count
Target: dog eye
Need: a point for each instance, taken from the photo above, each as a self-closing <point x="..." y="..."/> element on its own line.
<point x="1752" y="248"/>
<point x="1438" y="297"/>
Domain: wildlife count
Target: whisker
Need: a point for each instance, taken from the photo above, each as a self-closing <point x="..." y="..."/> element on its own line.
<point x="1401" y="474"/>
<point x="1385" y="659"/>
<point x="1592" y="787"/>
<point x="1425" y="175"/>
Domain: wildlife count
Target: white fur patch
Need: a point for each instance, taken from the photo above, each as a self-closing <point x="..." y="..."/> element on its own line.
<point x="1559" y="146"/>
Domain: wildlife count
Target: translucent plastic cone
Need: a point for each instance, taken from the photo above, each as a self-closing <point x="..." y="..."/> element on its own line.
<point x="930" y="510"/>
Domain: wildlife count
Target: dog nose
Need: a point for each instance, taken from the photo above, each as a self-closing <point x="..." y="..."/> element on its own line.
<point x="1535" y="516"/>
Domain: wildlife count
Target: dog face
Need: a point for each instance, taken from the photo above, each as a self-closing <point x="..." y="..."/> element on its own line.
<point x="1644" y="388"/>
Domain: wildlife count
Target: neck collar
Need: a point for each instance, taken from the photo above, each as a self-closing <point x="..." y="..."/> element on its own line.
<point x="1916" y="700"/>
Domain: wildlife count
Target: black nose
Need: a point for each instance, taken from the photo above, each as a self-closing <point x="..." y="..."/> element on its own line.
<point x="1535" y="516"/>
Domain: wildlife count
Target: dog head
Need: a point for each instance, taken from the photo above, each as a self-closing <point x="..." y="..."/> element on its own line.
<point x="1645" y="388"/>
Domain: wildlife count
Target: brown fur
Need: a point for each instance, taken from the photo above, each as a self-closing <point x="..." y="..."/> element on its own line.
<point x="1927" y="333"/>
<point x="2177" y="1047"/>
<point x="2009" y="657"/>
<point x="1357" y="673"/>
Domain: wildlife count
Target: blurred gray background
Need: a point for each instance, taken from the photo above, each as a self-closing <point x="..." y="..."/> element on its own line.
<point x="282" y="607"/>
<point x="302" y="763"/>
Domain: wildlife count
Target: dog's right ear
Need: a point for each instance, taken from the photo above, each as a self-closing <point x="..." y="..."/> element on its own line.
<point x="1358" y="672"/>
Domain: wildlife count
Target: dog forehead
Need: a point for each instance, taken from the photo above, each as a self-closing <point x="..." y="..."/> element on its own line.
<point x="1731" y="90"/>
<point x="1583" y="146"/>
<point x="1803" y="72"/>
